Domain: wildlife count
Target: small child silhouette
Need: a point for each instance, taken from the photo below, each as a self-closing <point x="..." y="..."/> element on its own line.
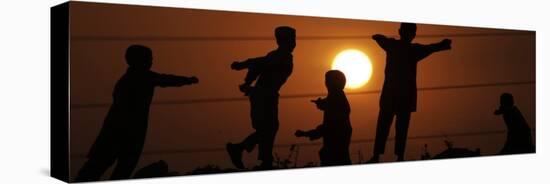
<point x="336" y="126"/>
<point x="518" y="137"/>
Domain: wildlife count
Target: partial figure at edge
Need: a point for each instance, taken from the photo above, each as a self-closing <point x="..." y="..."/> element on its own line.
<point x="123" y="133"/>
<point x="518" y="134"/>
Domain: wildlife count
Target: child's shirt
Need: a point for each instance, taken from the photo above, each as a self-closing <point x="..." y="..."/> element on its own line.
<point x="335" y="130"/>
<point x="126" y="122"/>
<point x="270" y="71"/>
<point x="336" y="126"/>
<point x="518" y="137"/>
<point x="399" y="90"/>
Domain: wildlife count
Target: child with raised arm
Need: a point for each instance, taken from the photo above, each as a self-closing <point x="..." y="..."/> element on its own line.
<point x="270" y="73"/>
<point x="336" y="127"/>
<point x="398" y="98"/>
<point x="122" y="136"/>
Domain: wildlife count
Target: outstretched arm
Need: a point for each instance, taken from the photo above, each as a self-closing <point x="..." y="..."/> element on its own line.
<point x="440" y="46"/>
<point x="383" y="41"/>
<point x="311" y="134"/>
<point x="166" y="80"/>
<point x="253" y="64"/>
<point x="426" y="50"/>
<point x="321" y="103"/>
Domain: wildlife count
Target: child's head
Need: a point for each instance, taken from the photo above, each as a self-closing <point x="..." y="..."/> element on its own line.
<point x="335" y="80"/>
<point x="407" y="31"/>
<point x="286" y="37"/>
<point x="506" y="99"/>
<point x="139" y="56"/>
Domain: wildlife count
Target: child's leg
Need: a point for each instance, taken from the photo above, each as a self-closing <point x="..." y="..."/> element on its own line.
<point x="127" y="160"/>
<point x="385" y="119"/>
<point x="270" y="125"/>
<point x="256" y="116"/>
<point x="125" y="166"/>
<point x="93" y="169"/>
<point x="401" y="129"/>
<point x="265" y="146"/>
<point x="249" y="142"/>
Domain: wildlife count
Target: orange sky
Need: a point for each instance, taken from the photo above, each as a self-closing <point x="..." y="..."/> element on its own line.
<point x="97" y="62"/>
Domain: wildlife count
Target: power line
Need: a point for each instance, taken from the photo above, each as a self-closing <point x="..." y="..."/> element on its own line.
<point x="318" y="143"/>
<point x="270" y="38"/>
<point x="305" y="95"/>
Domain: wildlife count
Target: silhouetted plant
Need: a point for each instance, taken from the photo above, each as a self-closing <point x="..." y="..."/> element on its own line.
<point x="426" y="155"/>
<point x="450" y="152"/>
<point x="286" y="162"/>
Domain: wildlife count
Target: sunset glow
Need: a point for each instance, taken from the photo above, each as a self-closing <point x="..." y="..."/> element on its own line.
<point x="356" y="65"/>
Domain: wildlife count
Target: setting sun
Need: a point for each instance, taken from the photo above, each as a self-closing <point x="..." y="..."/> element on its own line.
<point x="356" y="65"/>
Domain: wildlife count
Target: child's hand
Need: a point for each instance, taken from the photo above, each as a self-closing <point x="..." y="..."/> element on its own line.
<point x="245" y="88"/>
<point x="499" y="111"/>
<point x="300" y="133"/>
<point x="236" y="65"/>
<point x="319" y="102"/>
<point x="194" y="80"/>
<point x="446" y="43"/>
<point x="377" y="36"/>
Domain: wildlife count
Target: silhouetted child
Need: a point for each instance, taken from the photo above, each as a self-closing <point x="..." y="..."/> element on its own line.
<point x="123" y="133"/>
<point x="518" y="137"/>
<point x="270" y="73"/>
<point x="398" y="97"/>
<point x="336" y="126"/>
